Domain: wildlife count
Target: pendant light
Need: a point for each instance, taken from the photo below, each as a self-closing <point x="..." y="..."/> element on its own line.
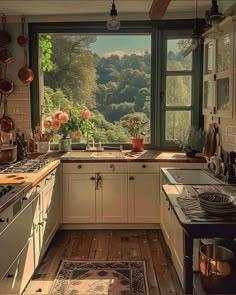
<point x="213" y="18"/>
<point x="113" y="24"/>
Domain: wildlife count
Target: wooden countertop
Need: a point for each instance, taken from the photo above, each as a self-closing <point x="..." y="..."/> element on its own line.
<point x="146" y="156"/>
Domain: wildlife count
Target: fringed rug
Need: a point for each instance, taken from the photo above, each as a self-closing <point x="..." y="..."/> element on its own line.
<point x="100" y="278"/>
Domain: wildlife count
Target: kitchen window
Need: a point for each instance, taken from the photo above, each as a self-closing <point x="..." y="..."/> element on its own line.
<point x="138" y="69"/>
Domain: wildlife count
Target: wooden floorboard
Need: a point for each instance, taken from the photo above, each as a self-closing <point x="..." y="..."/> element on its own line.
<point x="147" y="245"/>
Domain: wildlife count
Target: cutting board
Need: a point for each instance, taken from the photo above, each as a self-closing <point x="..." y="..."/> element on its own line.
<point x="210" y="146"/>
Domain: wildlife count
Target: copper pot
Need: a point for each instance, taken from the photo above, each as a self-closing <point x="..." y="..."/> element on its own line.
<point x="5" y="37"/>
<point x="5" y="56"/>
<point x="8" y="154"/>
<point x="26" y="75"/>
<point x="22" y="40"/>
<point x="6" y="86"/>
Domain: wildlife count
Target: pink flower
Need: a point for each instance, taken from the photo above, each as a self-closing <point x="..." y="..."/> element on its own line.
<point x="57" y="115"/>
<point x="63" y="118"/>
<point x="55" y="124"/>
<point x="85" y="114"/>
<point x="75" y="134"/>
<point x="47" y="122"/>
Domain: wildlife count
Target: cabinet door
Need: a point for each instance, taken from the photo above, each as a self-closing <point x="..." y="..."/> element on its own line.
<point x="111" y="198"/>
<point x="79" y="198"/>
<point x="143" y="198"/>
<point x="20" y="272"/>
<point x="50" y="201"/>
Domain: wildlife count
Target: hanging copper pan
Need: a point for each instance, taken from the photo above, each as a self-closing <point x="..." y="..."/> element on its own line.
<point x="5" y="37"/>
<point x="5" y="56"/>
<point x="26" y="74"/>
<point x="22" y="40"/>
<point x="6" y="123"/>
<point x="6" y="85"/>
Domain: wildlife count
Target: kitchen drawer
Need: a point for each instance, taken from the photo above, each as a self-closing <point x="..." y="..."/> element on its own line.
<point x="20" y="272"/>
<point x="94" y="168"/>
<point x="143" y="167"/>
<point x="14" y="238"/>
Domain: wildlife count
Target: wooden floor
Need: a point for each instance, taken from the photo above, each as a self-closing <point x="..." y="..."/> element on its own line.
<point x="148" y="245"/>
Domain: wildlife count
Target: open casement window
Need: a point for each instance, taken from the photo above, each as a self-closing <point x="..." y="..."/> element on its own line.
<point x="180" y="86"/>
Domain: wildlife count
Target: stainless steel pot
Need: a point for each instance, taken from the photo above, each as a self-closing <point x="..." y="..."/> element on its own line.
<point x="8" y="154"/>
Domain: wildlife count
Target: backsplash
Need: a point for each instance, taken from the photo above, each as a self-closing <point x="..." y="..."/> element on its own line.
<point x="227" y="131"/>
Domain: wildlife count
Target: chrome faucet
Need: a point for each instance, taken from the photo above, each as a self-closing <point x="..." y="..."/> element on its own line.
<point x="120" y="148"/>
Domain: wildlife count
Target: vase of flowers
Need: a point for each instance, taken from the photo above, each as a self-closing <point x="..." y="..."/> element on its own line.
<point x="42" y="139"/>
<point x="137" y="128"/>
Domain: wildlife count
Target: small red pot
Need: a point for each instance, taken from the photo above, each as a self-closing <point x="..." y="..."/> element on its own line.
<point x="137" y="144"/>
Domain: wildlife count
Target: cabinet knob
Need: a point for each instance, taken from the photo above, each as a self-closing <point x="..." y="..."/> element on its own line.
<point x="41" y="223"/>
<point x="24" y="199"/>
<point x="2" y="219"/>
<point x="10" y="275"/>
<point x="79" y="166"/>
<point x="144" y="166"/>
<point x="92" y="178"/>
<point x="131" y="178"/>
<point x="112" y="166"/>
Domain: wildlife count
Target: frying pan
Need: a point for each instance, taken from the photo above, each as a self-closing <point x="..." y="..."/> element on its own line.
<point x="5" y="56"/>
<point x="22" y="40"/>
<point x="6" y="85"/>
<point x="6" y="123"/>
<point x="25" y="74"/>
<point x="5" y="37"/>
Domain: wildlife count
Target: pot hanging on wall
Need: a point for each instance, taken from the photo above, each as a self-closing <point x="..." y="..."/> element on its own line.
<point x="26" y="74"/>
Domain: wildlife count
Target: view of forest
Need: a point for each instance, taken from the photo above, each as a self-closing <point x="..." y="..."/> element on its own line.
<point x="113" y="86"/>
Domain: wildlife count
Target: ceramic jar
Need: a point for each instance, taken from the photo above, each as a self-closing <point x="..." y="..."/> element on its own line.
<point x="43" y="147"/>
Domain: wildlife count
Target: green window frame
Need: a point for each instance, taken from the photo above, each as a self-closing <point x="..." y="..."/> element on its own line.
<point x="159" y="31"/>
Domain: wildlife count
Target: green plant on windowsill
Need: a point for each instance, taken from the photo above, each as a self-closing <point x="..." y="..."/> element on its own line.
<point x="191" y="141"/>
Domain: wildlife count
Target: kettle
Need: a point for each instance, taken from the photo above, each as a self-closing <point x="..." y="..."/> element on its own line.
<point x="214" y="164"/>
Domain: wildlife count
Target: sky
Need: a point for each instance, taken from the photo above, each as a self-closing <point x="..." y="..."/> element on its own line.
<point x="121" y="44"/>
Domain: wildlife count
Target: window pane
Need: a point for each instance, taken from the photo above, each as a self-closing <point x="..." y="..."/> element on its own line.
<point x="178" y="56"/>
<point x="178" y="90"/>
<point x="107" y="74"/>
<point x="223" y="53"/>
<point x="208" y="97"/>
<point x="208" y="58"/>
<point x="223" y="100"/>
<point x="177" y="122"/>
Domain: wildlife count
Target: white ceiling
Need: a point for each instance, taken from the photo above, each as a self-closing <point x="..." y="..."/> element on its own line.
<point x="176" y="9"/>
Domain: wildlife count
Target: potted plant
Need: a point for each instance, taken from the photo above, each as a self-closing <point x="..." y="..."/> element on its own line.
<point x="192" y="141"/>
<point x="137" y="128"/>
<point x="43" y="140"/>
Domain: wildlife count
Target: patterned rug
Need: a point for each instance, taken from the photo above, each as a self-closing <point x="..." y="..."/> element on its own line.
<point x="100" y="278"/>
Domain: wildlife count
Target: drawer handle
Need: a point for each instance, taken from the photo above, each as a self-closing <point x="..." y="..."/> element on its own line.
<point x="38" y="186"/>
<point x="144" y="166"/>
<point x="92" y="178"/>
<point x="47" y="179"/>
<point x="24" y="199"/>
<point x="112" y="166"/>
<point x="131" y="178"/>
<point x="10" y="275"/>
<point x="53" y="174"/>
<point x="79" y="166"/>
<point x="41" y="223"/>
<point x="2" y="219"/>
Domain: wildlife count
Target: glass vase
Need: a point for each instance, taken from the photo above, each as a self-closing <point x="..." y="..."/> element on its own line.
<point x="65" y="145"/>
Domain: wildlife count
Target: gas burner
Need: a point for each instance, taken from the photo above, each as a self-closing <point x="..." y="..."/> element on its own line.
<point x="4" y="189"/>
<point x="25" y="166"/>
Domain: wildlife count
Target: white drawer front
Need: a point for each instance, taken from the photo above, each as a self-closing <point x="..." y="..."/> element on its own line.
<point x="94" y="168"/>
<point x="143" y="167"/>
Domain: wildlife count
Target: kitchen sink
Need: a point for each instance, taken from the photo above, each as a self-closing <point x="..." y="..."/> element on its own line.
<point x="108" y="154"/>
<point x="188" y="176"/>
<point x="78" y="154"/>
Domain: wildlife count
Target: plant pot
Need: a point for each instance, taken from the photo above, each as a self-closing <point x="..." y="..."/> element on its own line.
<point x="43" y="147"/>
<point x="65" y="145"/>
<point x="137" y="144"/>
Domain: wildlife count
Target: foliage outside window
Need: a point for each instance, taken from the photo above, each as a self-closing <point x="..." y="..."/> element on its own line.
<point x="107" y="74"/>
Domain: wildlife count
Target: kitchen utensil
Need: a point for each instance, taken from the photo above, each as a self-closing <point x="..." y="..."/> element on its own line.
<point x="6" y="85"/>
<point x="6" y="123"/>
<point x="25" y="74"/>
<point x="5" y="56"/>
<point x="5" y="37"/>
<point x="218" y="146"/>
<point x="22" y="40"/>
<point x="8" y="154"/>
<point x="210" y="145"/>
<point x="214" y="164"/>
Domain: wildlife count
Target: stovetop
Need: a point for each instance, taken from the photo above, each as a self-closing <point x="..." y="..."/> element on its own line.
<point x="25" y="166"/>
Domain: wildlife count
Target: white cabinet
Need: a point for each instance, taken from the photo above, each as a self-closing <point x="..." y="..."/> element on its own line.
<point x="143" y="198"/>
<point x="78" y="198"/>
<point x="219" y="70"/>
<point x="111" y="198"/>
<point x="165" y="218"/>
<point x="90" y="198"/>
